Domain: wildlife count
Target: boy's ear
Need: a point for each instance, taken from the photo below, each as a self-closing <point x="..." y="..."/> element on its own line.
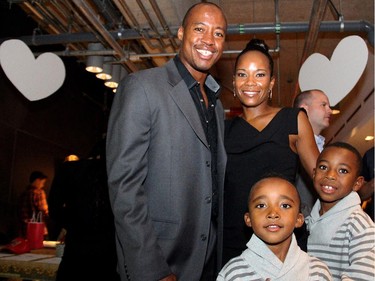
<point x="247" y="219"/>
<point x="300" y="220"/>
<point x="358" y="183"/>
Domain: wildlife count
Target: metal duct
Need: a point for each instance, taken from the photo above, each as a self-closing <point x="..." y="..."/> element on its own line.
<point x="88" y="12"/>
<point x="237" y="29"/>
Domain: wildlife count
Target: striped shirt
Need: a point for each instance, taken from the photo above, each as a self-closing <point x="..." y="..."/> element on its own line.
<point x="349" y="248"/>
<point x="258" y="263"/>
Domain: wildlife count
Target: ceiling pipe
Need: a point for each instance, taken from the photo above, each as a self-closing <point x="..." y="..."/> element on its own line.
<point x="277" y="26"/>
<point x="277" y="31"/>
<point x="66" y="22"/>
<point x="300" y="27"/>
<point x="151" y="23"/>
<point x="63" y="7"/>
<point x="164" y="24"/>
<point x="40" y="16"/>
<point x="234" y="29"/>
<point x="61" y="14"/>
<point x="126" y="12"/>
<point x="113" y="16"/>
<point x="90" y="15"/>
<point x="317" y="15"/>
<point x="66" y="7"/>
<point x="59" y="27"/>
<point x="108" y="12"/>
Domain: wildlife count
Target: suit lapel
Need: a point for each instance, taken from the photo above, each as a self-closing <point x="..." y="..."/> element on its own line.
<point x="181" y="96"/>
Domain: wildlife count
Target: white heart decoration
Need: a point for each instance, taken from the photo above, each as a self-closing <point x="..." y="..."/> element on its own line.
<point x="338" y="76"/>
<point x="35" y="78"/>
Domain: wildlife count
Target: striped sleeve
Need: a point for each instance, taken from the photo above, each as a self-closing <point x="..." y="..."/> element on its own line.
<point x="361" y="248"/>
<point x="319" y="270"/>
<point x="350" y="254"/>
<point x="236" y="270"/>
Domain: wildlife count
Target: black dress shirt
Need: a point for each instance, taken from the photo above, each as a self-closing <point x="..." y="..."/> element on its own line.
<point x="208" y="119"/>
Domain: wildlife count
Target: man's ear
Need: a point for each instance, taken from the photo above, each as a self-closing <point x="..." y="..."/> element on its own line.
<point x="300" y="220"/>
<point x="180" y="33"/>
<point x="305" y="107"/>
<point x="358" y="183"/>
<point x="247" y="219"/>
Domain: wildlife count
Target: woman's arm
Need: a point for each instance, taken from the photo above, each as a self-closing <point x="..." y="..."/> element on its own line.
<point x="306" y="146"/>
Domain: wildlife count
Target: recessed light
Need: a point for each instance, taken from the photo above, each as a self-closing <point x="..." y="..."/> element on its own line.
<point x="369" y="138"/>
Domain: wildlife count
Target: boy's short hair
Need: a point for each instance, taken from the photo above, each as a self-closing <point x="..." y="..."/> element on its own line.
<point x="279" y="176"/>
<point x="351" y="148"/>
<point x="36" y="175"/>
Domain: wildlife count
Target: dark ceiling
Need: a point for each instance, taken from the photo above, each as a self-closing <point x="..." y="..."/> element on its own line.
<point x="142" y="34"/>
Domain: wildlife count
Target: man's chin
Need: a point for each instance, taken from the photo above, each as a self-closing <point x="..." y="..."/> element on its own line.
<point x="206" y="64"/>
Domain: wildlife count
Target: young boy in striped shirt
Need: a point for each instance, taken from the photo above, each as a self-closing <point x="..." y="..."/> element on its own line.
<point x="273" y="253"/>
<point x="341" y="233"/>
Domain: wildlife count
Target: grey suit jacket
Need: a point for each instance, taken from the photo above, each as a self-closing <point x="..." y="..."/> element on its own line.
<point x="159" y="174"/>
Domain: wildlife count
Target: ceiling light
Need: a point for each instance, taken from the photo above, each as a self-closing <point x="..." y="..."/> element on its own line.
<point x="94" y="63"/>
<point x="116" y="72"/>
<point x="369" y="138"/>
<point x="107" y="69"/>
<point x="71" y="157"/>
<point x="123" y="73"/>
<point x="335" y="109"/>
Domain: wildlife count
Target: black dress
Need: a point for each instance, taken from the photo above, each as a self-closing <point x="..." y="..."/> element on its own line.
<point x="251" y="155"/>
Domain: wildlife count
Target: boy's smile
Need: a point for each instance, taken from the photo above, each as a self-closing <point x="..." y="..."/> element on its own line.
<point x="335" y="176"/>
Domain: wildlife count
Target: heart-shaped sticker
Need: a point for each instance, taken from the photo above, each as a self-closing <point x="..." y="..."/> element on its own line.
<point x="338" y="76"/>
<point x="35" y="78"/>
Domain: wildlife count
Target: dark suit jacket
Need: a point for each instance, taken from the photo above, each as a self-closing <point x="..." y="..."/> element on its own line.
<point x="158" y="164"/>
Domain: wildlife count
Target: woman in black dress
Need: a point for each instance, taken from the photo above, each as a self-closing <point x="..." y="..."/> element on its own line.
<point x="263" y="139"/>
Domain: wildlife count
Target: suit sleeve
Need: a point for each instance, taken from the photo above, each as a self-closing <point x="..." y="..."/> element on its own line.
<point x="128" y="140"/>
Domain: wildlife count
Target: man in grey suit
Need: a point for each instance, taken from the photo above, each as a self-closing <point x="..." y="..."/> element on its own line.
<point x="166" y="159"/>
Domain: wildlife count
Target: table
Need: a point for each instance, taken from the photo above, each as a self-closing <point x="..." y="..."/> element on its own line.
<point x="40" y="264"/>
